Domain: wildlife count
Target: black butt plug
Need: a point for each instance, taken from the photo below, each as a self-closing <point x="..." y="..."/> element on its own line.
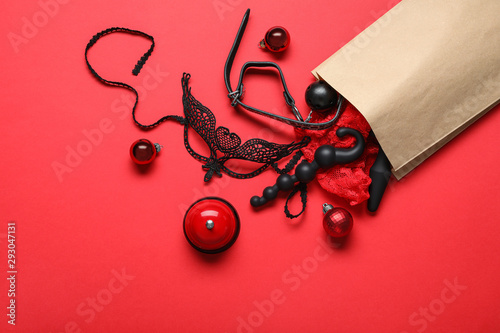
<point x="380" y="173"/>
<point x="325" y="157"/>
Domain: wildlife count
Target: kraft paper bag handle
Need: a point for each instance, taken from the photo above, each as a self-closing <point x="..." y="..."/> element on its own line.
<point x="421" y="74"/>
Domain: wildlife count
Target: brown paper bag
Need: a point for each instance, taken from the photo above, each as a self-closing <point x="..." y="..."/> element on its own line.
<point x="421" y="74"/>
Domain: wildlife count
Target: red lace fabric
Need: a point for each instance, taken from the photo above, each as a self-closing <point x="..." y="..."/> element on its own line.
<point x="349" y="181"/>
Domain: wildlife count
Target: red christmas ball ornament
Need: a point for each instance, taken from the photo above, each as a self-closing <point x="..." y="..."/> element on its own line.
<point x="143" y="151"/>
<point x="211" y="225"/>
<point x="337" y="221"/>
<point x="277" y="39"/>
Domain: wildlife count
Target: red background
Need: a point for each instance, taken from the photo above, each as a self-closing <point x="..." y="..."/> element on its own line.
<point x="75" y="232"/>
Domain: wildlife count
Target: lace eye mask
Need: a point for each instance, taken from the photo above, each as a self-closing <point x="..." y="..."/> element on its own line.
<point x="202" y="121"/>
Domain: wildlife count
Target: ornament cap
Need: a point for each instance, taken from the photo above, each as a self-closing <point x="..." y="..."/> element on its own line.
<point x="327" y="207"/>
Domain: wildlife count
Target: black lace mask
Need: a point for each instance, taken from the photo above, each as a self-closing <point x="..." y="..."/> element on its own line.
<point x="202" y="120"/>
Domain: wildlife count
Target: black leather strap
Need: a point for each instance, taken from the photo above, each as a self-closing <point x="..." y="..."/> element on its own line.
<point x="236" y="95"/>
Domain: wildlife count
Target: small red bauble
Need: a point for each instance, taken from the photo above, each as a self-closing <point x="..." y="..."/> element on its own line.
<point x="143" y="151"/>
<point x="277" y="39"/>
<point x="211" y="225"/>
<point x="337" y="221"/>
